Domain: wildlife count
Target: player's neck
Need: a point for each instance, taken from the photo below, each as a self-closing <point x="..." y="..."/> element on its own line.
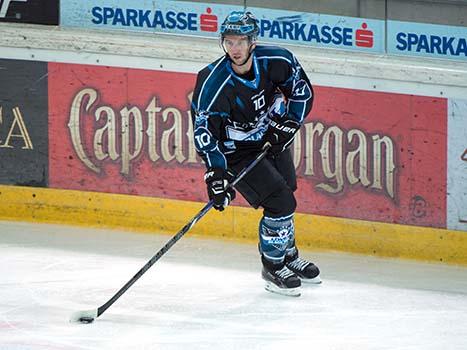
<point x="250" y="75"/>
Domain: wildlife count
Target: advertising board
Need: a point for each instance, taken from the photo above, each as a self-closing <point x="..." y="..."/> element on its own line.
<point x="30" y="11"/>
<point x="457" y="165"/>
<point x="427" y="40"/>
<point x="205" y="19"/>
<point x="23" y="123"/>
<point x="362" y="155"/>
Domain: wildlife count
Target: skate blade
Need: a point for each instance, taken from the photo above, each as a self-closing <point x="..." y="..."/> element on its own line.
<point x="289" y="292"/>
<point x="315" y="280"/>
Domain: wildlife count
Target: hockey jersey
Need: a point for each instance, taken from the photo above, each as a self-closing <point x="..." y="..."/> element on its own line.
<point x="229" y="111"/>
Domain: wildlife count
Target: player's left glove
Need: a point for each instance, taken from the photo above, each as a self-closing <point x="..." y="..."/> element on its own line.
<point x="216" y="181"/>
<point x="280" y="133"/>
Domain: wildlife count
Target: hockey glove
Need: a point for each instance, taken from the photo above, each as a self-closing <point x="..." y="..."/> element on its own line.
<point x="280" y="133"/>
<point x="216" y="181"/>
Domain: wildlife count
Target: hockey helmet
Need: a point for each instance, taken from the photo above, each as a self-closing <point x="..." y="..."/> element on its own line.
<point x="240" y="23"/>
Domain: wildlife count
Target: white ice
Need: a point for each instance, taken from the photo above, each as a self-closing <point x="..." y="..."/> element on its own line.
<point x="207" y="294"/>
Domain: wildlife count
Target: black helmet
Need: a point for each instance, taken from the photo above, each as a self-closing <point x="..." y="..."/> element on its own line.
<point x="240" y="23"/>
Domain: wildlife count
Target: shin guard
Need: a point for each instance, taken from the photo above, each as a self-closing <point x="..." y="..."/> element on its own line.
<point x="275" y="236"/>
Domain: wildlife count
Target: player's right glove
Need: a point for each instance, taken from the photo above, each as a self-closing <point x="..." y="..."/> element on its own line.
<point x="280" y="133"/>
<point x="281" y="129"/>
<point x="216" y="182"/>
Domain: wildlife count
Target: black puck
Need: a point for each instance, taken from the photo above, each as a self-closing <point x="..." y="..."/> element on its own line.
<point x="86" y="319"/>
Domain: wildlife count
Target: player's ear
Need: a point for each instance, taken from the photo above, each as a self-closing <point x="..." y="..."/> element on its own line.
<point x="252" y="46"/>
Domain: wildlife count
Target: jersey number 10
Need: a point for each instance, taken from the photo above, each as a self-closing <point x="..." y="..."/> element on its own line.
<point x="259" y="102"/>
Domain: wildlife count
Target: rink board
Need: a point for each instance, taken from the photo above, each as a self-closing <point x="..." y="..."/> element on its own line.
<point x="372" y="165"/>
<point x="457" y="165"/>
<point x="23" y="123"/>
<point x="144" y="214"/>
<point x="129" y="131"/>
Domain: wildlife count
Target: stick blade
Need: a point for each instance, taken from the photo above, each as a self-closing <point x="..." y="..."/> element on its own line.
<point x="87" y="316"/>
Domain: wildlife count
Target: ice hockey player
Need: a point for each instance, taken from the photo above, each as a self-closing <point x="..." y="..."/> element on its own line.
<point x="252" y="95"/>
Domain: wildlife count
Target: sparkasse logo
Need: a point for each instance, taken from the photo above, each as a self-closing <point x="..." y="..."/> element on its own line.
<point x="134" y="17"/>
<point x="208" y="21"/>
<point x="294" y="29"/>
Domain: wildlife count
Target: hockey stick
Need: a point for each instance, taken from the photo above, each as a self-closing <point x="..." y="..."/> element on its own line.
<point x="89" y="316"/>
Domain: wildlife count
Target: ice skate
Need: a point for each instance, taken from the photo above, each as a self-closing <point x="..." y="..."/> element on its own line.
<point x="281" y="281"/>
<point x="306" y="270"/>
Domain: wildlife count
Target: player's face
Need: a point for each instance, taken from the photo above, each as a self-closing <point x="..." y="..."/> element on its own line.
<point x="237" y="47"/>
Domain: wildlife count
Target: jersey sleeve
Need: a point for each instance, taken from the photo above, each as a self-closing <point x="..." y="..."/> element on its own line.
<point x="295" y="85"/>
<point x="207" y="119"/>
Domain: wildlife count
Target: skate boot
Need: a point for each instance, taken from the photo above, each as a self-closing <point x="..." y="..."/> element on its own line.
<point x="306" y="270"/>
<point x="279" y="279"/>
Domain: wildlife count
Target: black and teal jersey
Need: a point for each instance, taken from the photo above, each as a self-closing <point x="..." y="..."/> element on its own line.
<point x="229" y="110"/>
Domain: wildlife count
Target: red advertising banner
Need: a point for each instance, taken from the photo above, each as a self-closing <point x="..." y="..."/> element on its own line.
<point x="375" y="156"/>
<point x="363" y="155"/>
<point x="122" y="130"/>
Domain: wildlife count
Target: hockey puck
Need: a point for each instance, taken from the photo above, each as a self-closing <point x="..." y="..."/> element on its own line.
<point x="86" y="319"/>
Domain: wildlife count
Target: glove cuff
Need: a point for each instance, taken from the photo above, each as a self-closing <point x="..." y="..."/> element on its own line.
<point x="213" y="174"/>
<point x="285" y="126"/>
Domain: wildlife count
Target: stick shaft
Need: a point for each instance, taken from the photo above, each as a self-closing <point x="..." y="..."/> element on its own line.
<point x="101" y="309"/>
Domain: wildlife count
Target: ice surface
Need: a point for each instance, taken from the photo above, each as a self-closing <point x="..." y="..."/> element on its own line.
<point x="209" y="295"/>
